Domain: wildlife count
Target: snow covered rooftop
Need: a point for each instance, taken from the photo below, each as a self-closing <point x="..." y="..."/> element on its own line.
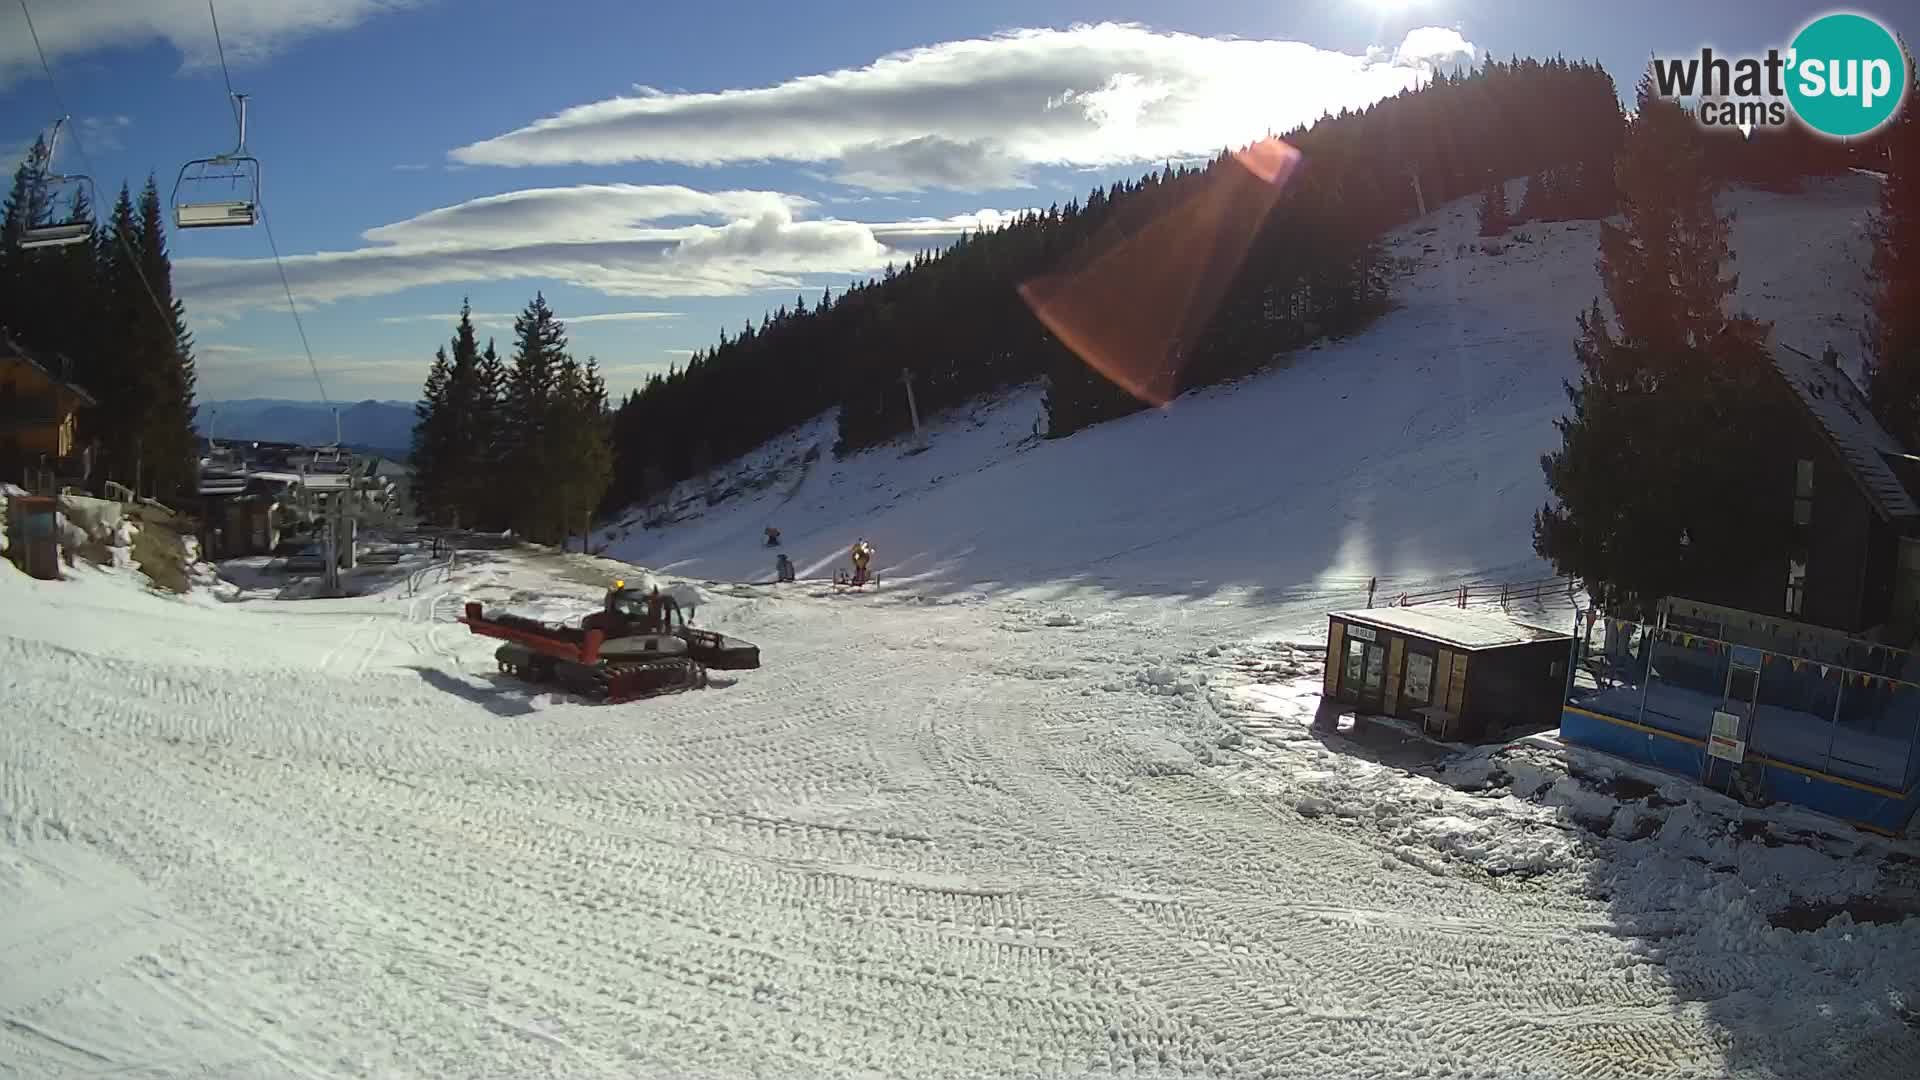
<point x="1841" y="410"/>
<point x="1466" y="628"/>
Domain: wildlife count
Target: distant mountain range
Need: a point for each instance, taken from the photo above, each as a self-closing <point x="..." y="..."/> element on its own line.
<point x="383" y="425"/>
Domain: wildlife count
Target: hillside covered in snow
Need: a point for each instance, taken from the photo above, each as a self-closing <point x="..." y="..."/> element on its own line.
<point x="1047" y="801"/>
<point x="1407" y="454"/>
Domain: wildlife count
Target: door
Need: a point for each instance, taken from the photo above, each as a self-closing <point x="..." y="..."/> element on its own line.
<point x="1737" y="700"/>
<point x="1363" y="669"/>
<point x="1373" y="688"/>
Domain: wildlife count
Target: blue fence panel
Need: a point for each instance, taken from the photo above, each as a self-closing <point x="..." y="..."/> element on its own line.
<point x="1875" y="735"/>
<point x="1688" y="682"/>
<point x="1612" y="669"/>
<point x="1793" y="713"/>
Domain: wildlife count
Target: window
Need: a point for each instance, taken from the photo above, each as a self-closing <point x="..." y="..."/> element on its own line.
<point x="1796" y="586"/>
<point x="1419" y="685"/>
<point x="1803" y="492"/>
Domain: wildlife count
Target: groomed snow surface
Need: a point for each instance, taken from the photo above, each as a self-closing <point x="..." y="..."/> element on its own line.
<point x="986" y="819"/>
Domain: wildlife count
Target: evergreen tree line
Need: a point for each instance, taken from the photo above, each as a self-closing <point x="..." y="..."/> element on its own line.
<point x="520" y="444"/>
<point x="126" y="339"/>
<point x="956" y="322"/>
<point x="1669" y="476"/>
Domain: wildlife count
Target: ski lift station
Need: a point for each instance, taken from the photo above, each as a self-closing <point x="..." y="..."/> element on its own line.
<point x="1463" y="674"/>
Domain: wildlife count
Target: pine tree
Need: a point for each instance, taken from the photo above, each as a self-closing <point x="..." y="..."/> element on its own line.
<point x="1666" y="480"/>
<point x="1493" y="210"/>
<point x="582" y="460"/>
<point x="429" y="451"/>
<point x="490" y="509"/>
<point x="540" y="346"/>
<point x="1894" y="330"/>
<point x="466" y="482"/>
<point x="121" y="372"/>
<point x="165" y="347"/>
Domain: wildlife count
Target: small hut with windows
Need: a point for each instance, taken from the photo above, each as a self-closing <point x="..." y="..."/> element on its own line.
<point x="1463" y="674"/>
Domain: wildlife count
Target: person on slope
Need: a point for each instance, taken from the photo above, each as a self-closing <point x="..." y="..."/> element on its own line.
<point x="773" y="536"/>
<point x="783" y="567"/>
<point x="862" y="558"/>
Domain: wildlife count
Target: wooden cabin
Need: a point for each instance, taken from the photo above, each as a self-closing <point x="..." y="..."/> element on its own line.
<point x="1463" y="674"/>
<point x="38" y="410"/>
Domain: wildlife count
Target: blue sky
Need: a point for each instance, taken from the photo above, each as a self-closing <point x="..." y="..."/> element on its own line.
<point x="778" y="149"/>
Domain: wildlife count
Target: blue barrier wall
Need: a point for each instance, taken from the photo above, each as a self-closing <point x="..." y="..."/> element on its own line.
<point x="1842" y="741"/>
<point x="1880" y="809"/>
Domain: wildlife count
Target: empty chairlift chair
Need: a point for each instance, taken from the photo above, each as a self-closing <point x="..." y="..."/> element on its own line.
<point x="194" y="204"/>
<point x="59" y="191"/>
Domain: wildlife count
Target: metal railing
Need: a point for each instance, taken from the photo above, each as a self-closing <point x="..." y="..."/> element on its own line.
<point x="1502" y="593"/>
<point x="441" y="571"/>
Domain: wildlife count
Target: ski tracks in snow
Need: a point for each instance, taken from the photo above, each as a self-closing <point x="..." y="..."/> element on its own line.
<point x="948" y="840"/>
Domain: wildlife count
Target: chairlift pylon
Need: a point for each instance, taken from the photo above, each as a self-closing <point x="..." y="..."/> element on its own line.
<point x="65" y="231"/>
<point x="238" y="168"/>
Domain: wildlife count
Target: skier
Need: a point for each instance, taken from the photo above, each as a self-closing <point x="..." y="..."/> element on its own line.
<point x="783" y="567"/>
<point x="862" y="557"/>
<point x="773" y="536"/>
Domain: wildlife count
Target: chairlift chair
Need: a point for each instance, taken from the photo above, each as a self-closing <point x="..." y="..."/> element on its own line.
<point x="237" y="168"/>
<point x="70" y="230"/>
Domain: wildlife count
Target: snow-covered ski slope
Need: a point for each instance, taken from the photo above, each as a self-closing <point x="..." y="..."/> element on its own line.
<point x="967" y="838"/>
<point x="1409" y="453"/>
<point x="945" y="831"/>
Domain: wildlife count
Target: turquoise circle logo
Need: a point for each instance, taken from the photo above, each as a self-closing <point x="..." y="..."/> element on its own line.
<point x="1847" y="75"/>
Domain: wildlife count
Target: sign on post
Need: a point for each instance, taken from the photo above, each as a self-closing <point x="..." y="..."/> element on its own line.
<point x="1725" y="742"/>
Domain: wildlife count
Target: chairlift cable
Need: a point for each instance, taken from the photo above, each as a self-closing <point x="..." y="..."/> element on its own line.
<point x="221" y="48"/>
<point x="133" y="259"/>
<point x="297" y="324"/>
<point x="292" y="307"/>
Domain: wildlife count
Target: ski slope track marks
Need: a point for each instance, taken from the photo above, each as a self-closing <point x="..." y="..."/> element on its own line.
<point x="961" y="825"/>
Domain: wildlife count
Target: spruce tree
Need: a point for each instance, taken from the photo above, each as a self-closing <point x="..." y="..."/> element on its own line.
<point x="1493" y="210"/>
<point x="1668" y="476"/>
<point x="165" y="347"/>
<point x="540" y="346"/>
<point x="121" y="373"/>
<point x="428" y="455"/>
<point x="1894" y="328"/>
<point x="490" y="509"/>
<point x="462" y="467"/>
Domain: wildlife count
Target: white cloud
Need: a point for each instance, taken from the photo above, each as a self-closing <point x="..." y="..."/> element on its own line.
<point x="496" y="320"/>
<point x="287" y="374"/>
<point x="101" y="134"/>
<point x="608" y="238"/>
<point x="1434" y="45"/>
<point x="410" y="167"/>
<point x="251" y="30"/>
<point x="976" y="114"/>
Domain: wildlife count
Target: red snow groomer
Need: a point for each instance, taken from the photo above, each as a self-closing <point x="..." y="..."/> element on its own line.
<point x="636" y="646"/>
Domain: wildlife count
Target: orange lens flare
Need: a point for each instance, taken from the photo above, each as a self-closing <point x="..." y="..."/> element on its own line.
<point x="1142" y="290"/>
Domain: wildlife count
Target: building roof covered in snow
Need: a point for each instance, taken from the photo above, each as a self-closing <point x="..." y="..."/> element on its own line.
<point x="1464" y="628"/>
<point x="1874" y="457"/>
